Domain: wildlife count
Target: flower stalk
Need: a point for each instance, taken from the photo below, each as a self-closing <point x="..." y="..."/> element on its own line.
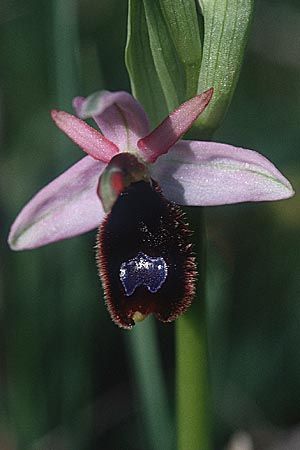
<point x="150" y="385"/>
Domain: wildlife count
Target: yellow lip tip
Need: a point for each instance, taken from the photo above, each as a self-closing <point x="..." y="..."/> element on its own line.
<point x="138" y="317"/>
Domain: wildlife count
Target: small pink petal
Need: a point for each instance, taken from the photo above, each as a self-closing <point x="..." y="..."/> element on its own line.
<point x="66" y="207"/>
<point x="173" y="127"/>
<point x="209" y="173"/>
<point x="120" y="117"/>
<point x="86" y="137"/>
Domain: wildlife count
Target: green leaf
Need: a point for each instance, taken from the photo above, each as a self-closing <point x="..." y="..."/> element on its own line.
<point x="144" y="81"/>
<point x="163" y="53"/>
<point x="226" y="25"/>
<point x="183" y="25"/>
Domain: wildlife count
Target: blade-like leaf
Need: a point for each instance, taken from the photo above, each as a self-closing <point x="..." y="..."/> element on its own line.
<point x="168" y="67"/>
<point x="163" y="53"/>
<point x="145" y="83"/>
<point x="183" y="25"/>
<point x="226" y="25"/>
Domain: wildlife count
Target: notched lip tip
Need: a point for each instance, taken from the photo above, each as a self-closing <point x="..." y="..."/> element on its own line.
<point x="138" y="317"/>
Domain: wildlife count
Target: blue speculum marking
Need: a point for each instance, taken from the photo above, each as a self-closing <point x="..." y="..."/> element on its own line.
<point x="143" y="270"/>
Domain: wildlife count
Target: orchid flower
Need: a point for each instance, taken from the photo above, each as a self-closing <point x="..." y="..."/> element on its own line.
<point x="130" y="185"/>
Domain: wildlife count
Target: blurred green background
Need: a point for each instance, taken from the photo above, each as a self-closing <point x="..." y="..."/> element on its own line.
<point x="66" y="375"/>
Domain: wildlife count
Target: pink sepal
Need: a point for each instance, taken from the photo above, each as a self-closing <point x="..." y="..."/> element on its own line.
<point x="66" y="207"/>
<point x="208" y="173"/>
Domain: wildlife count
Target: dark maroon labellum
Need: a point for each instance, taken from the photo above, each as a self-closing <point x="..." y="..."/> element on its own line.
<point x="145" y="257"/>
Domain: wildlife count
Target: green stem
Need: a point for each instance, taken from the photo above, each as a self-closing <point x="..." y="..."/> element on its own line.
<point x="193" y="405"/>
<point x="151" y="388"/>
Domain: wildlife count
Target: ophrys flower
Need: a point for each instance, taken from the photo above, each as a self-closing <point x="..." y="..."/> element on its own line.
<point x="145" y="257"/>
